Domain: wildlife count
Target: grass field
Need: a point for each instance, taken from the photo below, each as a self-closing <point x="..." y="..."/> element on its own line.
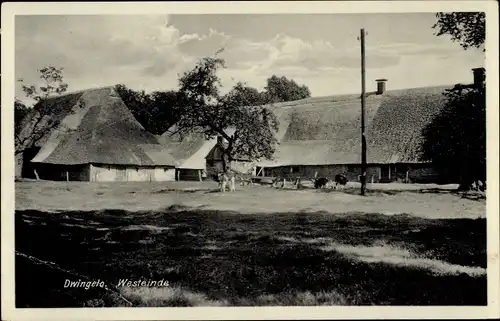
<point x="257" y="246"/>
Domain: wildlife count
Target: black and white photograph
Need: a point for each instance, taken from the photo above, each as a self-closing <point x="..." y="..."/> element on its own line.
<point x="265" y="158"/>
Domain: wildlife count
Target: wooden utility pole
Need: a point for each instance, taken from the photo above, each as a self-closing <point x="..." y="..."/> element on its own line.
<point x="363" y="97"/>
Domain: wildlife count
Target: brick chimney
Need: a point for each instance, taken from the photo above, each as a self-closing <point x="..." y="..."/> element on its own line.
<point x="380" y="86"/>
<point x="479" y="77"/>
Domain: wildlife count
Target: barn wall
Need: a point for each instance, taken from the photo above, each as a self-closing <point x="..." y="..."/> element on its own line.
<point x="328" y="171"/>
<point x="376" y="173"/>
<point x="164" y="174"/>
<point x="81" y="175"/>
<point x="136" y="174"/>
<point x="186" y="174"/>
<point x="120" y="173"/>
<point x="425" y="175"/>
<point x="55" y="172"/>
<point x="102" y="173"/>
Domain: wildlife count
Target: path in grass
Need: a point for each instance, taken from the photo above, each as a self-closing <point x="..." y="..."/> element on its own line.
<point x="221" y="258"/>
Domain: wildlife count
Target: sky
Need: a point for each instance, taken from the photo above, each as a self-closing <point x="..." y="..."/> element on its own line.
<point x="321" y="51"/>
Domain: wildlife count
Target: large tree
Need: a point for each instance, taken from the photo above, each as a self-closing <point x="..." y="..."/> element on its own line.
<point x="248" y="130"/>
<point x="156" y="111"/>
<point x="52" y="85"/>
<point x="466" y="28"/>
<point x="455" y="140"/>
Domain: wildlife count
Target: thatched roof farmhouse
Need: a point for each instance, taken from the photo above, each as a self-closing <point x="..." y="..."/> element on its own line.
<point x="322" y="136"/>
<point x="92" y="136"/>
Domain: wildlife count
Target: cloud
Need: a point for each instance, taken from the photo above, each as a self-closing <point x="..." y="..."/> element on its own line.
<point x="328" y="69"/>
<point x="110" y="49"/>
<point x="204" y="45"/>
<point x="411" y="49"/>
<point x="283" y="54"/>
<point x="149" y="52"/>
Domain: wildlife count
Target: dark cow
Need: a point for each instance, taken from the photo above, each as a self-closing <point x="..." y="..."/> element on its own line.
<point x="340" y="179"/>
<point x="320" y="182"/>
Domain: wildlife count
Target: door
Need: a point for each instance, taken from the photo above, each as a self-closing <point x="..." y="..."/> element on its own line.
<point x="385" y="173"/>
<point x="121" y="173"/>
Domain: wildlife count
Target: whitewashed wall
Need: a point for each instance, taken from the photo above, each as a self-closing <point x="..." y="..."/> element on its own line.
<point x="112" y="173"/>
<point x="139" y="174"/>
<point x="102" y="173"/>
<point x="164" y="174"/>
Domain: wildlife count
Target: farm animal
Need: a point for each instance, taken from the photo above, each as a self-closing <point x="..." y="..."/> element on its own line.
<point x="477" y="186"/>
<point x="222" y="180"/>
<point x="320" y="182"/>
<point x="340" y="179"/>
<point x="481" y="186"/>
<point x="226" y="178"/>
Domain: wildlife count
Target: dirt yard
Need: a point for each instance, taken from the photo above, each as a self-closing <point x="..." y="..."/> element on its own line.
<point x="257" y="246"/>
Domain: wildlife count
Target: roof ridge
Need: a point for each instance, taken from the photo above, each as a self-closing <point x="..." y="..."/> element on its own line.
<point x="81" y="91"/>
<point x="343" y="97"/>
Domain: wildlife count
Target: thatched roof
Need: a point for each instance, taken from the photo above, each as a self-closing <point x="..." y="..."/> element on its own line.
<point x="327" y="130"/>
<point x="188" y="151"/>
<point x="92" y="126"/>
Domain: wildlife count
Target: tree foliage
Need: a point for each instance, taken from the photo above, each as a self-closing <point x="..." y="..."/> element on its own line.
<point x="20" y="111"/>
<point x="280" y="89"/>
<point x="243" y="95"/>
<point x="156" y="111"/>
<point x="455" y="141"/>
<point x="52" y="85"/>
<point x="466" y="28"/>
<point x="248" y="130"/>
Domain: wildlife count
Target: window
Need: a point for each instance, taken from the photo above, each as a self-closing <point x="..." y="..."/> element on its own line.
<point x="294" y="169"/>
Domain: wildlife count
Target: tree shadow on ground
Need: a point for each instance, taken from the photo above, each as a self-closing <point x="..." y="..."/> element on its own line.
<point x="238" y="258"/>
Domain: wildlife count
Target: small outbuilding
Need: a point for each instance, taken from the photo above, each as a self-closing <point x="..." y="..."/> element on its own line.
<point x="197" y="157"/>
